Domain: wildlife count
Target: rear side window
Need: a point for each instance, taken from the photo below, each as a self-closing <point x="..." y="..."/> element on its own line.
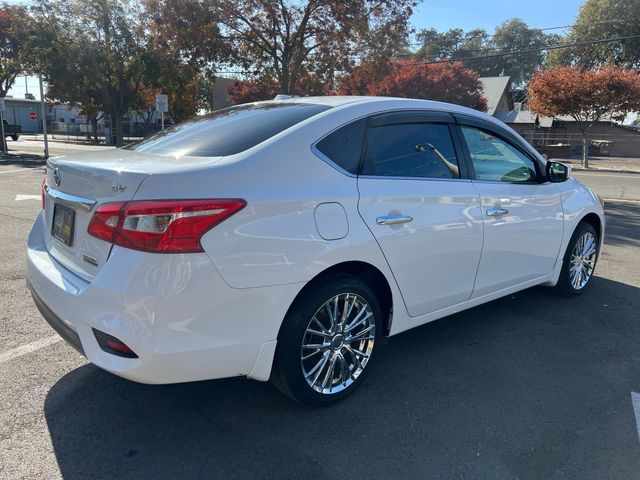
<point x="228" y="131"/>
<point x="422" y="150"/>
<point x="344" y="146"/>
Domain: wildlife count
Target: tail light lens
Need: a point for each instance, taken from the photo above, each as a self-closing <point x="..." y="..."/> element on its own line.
<point x="161" y="226"/>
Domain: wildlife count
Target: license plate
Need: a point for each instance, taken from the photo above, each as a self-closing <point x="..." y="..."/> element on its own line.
<point x="63" y="219"/>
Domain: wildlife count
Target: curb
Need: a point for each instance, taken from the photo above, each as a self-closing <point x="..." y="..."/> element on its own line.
<point x="605" y="170"/>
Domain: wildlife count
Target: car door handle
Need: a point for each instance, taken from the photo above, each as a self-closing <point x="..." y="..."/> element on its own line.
<point x="497" y="212"/>
<point x="393" y="220"/>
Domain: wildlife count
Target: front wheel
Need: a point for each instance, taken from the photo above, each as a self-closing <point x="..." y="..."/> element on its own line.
<point x="579" y="261"/>
<point x="327" y="341"/>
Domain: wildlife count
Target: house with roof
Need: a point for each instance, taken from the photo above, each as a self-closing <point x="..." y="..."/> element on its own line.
<point x="558" y="136"/>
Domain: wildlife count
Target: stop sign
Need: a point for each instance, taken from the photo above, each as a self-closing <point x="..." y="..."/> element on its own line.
<point x="33" y="116"/>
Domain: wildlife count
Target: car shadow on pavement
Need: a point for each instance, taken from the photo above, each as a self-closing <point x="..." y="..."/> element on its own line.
<point x="528" y="386"/>
<point x="623" y="223"/>
<point x="22" y="160"/>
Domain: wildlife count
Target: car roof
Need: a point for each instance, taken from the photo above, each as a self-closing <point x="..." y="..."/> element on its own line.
<point x="392" y="102"/>
<point x="381" y="104"/>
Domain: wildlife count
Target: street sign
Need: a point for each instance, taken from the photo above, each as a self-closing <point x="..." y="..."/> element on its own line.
<point x="1" y="104"/>
<point x="162" y="103"/>
<point x="33" y="116"/>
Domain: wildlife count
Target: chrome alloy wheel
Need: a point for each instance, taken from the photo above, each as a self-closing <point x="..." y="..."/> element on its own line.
<point x="583" y="260"/>
<point x="337" y="343"/>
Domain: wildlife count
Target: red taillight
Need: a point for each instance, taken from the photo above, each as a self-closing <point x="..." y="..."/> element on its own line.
<point x="161" y="226"/>
<point x="44" y="182"/>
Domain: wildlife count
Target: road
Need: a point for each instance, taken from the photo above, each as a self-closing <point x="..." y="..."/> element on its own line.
<point x="532" y="386"/>
<point x="610" y="185"/>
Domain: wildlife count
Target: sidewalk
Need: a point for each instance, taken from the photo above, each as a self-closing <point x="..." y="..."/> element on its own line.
<point x="611" y="164"/>
<point x="61" y="138"/>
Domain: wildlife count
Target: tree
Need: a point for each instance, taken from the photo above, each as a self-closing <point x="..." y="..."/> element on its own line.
<point x="445" y="82"/>
<point x="601" y="20"/>
<point x="515" y="36"/>
<point x="189" y="30"/>
<point x="166" y="71"/>
<point x="100" y="44"/>
<point x="13" y="22"/>
<point x="65" y="63"/>
<point x="484" y="53"/>
<point x="361" y="79"/>
<point x="245" y="91"/>
<point x="185" y="47"/>
<point x="287" y="40"/>
<point x="146" y="106"/>
<point x="437" y="45"/>
<point x="586" y="95"/>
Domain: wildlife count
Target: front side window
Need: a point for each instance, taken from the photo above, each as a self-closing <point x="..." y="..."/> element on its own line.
<point x="419" y="150"/>
<point x="228" y="131"/>
<point x="496" y="160"/>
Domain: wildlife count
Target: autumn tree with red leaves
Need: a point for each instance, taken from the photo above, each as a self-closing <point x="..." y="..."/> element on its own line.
<point x="585" y="95"/>
<point x="266" y="88"/>
<point x="245" y="91"/>
<point x="292" y="40"/>
<point x="445" y="82"/>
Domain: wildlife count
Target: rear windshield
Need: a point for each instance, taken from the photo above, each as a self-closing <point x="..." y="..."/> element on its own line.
<point x="228" y="131"/>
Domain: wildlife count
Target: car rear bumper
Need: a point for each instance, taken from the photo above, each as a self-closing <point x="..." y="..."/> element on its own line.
<point x="64" y="330"/>
<point x="174" y="311"/>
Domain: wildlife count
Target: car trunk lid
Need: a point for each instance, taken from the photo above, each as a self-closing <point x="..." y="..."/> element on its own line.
<point x="76" y="185"/>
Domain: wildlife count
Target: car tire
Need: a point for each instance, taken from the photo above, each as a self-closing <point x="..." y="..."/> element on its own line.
<point x="579" y="261"/>
<point x="14" y="138"/>
<point x="322" y="356"/>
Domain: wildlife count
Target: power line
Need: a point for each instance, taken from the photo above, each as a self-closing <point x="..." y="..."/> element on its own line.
<point x="530" y="50"/>
<point x="561" y="27"/>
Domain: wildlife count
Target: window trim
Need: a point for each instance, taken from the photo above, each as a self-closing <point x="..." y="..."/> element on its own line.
<point x="413" y="117"/>
<point x="505" y="136"/>
<point x="316" y="151"/>
<point x="399" y="117"/>
<point x="146" y="143"/>
<point x="330" y="162"/>
<point x="472" y="171"/>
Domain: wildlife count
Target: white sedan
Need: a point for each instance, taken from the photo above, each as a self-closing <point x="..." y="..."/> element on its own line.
<point x="283" y="240"/>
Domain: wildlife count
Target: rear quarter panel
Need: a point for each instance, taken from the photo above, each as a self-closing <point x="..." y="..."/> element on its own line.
<point x="274" y="240"/>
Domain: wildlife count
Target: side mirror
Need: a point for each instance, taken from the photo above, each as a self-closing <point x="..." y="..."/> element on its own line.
<point x="557" y="172"/>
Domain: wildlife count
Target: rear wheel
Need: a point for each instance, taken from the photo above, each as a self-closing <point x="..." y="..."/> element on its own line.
<point x="327" y="341"/>
<point x="579" y="261"/>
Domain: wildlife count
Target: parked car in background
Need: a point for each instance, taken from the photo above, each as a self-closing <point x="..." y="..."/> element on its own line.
<point x="283" y="240"/>
<point x="11" y="131"/>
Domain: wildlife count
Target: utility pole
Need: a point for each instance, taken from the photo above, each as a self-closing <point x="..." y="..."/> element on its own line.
<point x="3" y="140"/>
<point x="44" y="119"/>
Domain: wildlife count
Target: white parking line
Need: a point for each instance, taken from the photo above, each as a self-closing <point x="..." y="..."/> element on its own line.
<point x="19" y="198"/>
<point x="635" y="400"/>
<point x="597" y="175"/>
<point x="28" y="348"/>
<point x="2" y="172"/>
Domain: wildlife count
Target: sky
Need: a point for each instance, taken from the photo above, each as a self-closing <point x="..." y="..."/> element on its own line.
<point x="488" y="14"/>
<point x="445" y="14"/>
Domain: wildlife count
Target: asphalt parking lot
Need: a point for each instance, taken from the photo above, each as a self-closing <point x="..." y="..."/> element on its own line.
<point x="531" y="386"/>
